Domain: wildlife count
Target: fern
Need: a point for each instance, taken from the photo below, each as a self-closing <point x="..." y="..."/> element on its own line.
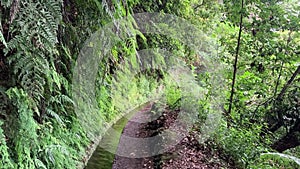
<point x="26" y="139"/>
<point x="45" y="133"/>
<point x="32" y="53"/>
<point x="34" y="44"/>
<point x="5" y="161"/>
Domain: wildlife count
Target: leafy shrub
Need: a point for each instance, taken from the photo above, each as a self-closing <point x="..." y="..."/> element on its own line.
<point x="243" y="145"/>
<point x="273" y="161"/>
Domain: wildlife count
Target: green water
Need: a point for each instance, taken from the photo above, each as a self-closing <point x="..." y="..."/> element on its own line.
<point x="103" y="159"/>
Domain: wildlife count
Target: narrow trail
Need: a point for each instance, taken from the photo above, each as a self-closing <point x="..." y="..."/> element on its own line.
<point x="134" y="129"/>
<point x="187" y="154"/>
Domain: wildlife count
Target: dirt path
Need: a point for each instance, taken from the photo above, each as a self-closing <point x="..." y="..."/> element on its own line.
<point x="135" y="128"/>
<point x="188" y="154"/>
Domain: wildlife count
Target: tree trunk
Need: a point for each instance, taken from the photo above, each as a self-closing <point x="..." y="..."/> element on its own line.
<point x="291" y="140"/>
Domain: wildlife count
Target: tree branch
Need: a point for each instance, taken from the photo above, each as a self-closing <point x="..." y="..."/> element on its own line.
<point x="278" y="79"/>
<point x="288" y="83"/>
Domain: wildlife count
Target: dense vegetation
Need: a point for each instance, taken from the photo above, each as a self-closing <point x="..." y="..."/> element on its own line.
<point x="258" y="45"/>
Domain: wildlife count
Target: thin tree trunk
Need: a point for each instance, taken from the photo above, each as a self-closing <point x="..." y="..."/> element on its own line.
<point x="235" y="66"/>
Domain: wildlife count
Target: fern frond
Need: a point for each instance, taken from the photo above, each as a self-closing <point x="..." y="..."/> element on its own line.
<point x="39" y="164"/>
<point x="34" y="45"/>
<point x="55" y="115"/>
<point x="2" y="36"/>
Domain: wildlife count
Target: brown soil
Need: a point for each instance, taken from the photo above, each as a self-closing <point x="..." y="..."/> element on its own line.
<point x="190" y="154"/>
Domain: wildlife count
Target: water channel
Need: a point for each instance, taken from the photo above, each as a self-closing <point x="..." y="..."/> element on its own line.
<point x="104" y="156"/>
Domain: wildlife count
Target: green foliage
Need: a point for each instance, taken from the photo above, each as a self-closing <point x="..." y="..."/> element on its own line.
<point x="131" y="88"/>
<point x="48" y="145"/>
<point x="266" y="62"/>
<point x="272" y="161"/>
<point x="173" y="94"/>
<point x="60" y="146"/>
<point x="44" y="133"/>
<point x="34" y="38"/>
<point x="26" y="138"/>
<point x="5" y="159"/>
<point x="243" y="145"/>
